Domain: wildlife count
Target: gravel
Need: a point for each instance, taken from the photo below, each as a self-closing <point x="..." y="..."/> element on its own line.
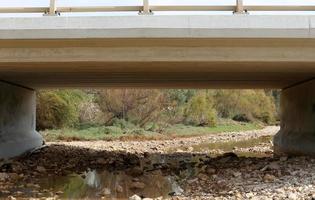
<point x="196" y="174"/>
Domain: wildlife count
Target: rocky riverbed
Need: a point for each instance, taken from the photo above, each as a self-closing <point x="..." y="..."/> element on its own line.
<point x="217" y="166"/>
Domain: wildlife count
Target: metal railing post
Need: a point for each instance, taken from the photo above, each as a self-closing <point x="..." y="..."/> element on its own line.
<point x="239" y="9"/>
<point x="146" y="8"/>
<point x="52" y="9"/>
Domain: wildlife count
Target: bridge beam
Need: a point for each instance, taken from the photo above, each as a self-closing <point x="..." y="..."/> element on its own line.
<point x="297" y="133"/>
<point x="17" y="121"/>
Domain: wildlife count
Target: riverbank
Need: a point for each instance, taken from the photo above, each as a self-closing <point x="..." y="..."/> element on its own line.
<point x="133" y="133"/>
<point x="186" y="168"/>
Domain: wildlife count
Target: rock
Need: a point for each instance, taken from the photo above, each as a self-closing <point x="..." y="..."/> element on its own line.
<point x="211" y="171"/>
<point x="237" y="174"/>
<point x="137" y="185"/>
<point x="4" y="176"/>
<point x="101" y="161"/>
<point x="238" y="195"/>
<point x="292" y="196"/>
<point x="190" y="149"/>
<point x="59" y="192"/>
<point x="11" y="198"/>
<point x="135" y="197"/>
<point x="41" y="169"/>
<point x="274" y="166"/>
<point x="136" y="171"/>
<point x="269" y="178"/>
<point x="13" y="176"/>
<point x="203" y="177"/>
<point x="119" y="189"/>
<point x="147" y="199"/>
<point x="106" y="191"/>
<point x="283" y="158"/>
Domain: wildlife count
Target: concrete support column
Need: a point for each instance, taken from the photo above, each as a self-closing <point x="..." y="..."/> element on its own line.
<point x="297" y="133"/>
<point x="17" y="121"/>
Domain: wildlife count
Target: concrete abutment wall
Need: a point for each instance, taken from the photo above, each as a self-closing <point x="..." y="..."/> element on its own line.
<point x="17" y="121"/>
<point x="297" y="113"/>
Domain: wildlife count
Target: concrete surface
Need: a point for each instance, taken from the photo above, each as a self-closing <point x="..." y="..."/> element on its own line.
<point x="297" y="133"/>
<point x="240" y="51"/>
<point x="17" y="121"/>
<point x="236" y="26"/>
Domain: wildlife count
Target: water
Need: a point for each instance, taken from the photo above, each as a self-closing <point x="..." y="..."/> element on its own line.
<point x="233" y="146"/>
<point x="110" y="185"/>
<point x="218" y="148"/>
<point x="156" y="175"/>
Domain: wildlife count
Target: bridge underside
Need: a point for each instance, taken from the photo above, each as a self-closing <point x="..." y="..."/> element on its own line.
<point x="237" y="51"/>
<point x="154" y="63"/>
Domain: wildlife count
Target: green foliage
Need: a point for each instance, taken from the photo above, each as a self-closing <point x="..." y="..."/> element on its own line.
<point x="113" y="133"/>
<point x="138" y="110"/>
<point x="58" y="108"/>
<point x="199" y="110"/>
<point x="249" y="105"/>
<point x="180" y="96"/>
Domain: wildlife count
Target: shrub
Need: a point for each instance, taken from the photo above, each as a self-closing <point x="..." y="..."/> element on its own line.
<point x="57" y="108"/>
<point x="249" y="105"/>
<point x="200" y="111"/>
<point x="133" y="105"/>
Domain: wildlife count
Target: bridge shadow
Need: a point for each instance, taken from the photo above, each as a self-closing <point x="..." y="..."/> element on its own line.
<point x="191" y="173"/>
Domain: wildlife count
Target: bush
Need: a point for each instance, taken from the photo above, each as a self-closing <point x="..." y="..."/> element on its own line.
<point x="57" y="109"/>
<point x="248" y="105"/>
<point x="137" y="106"/>
<point x="241" y="118"/>
<point x="200" y="111"/>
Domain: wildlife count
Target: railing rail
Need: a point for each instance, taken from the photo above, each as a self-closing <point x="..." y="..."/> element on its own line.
<point x="146" y="8"/>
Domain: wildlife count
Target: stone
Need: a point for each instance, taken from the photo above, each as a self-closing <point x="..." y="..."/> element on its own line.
<point x="4" y="176"/>
<point x="210" y="171"/>
<point x="119" y="189"/>
<point x="11" y="198"/>
<point x="190" y="149"/>
<point x="135" y="197"/>
<point x="137" y="185"/>
<point x="269" y="178"/>
<point x="203" y="177"/>
<point x="292" y="196"/>
<point x="101" y="161"/>
<point x="59" y="192"/>
<point x="136" y="171"/>
<point x="237" y="174"/>
<point x="106" y="191"/>
<point x="274" y="166"/>
<point x="41" y="169"/>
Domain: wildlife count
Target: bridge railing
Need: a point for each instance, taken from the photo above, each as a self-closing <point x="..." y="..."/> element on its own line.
<point x="146" y="8"/>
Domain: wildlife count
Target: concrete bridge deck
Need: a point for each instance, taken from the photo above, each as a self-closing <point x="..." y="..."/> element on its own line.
<point x="239" y="51"/>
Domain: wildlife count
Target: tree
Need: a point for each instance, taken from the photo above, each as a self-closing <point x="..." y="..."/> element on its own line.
<point x="200" y="110"/>
<point x="135" y="105"/>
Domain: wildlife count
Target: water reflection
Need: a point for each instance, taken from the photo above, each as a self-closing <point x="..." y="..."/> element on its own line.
<point x="241" y="148"/>
<point x="112" y="185"/>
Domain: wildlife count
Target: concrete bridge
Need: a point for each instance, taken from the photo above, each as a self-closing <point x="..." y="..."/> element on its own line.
<point x="239" y="51"/>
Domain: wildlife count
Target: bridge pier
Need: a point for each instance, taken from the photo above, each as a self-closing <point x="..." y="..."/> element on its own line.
<point x="297" y="133"/>
<point x="17" y="120"/>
